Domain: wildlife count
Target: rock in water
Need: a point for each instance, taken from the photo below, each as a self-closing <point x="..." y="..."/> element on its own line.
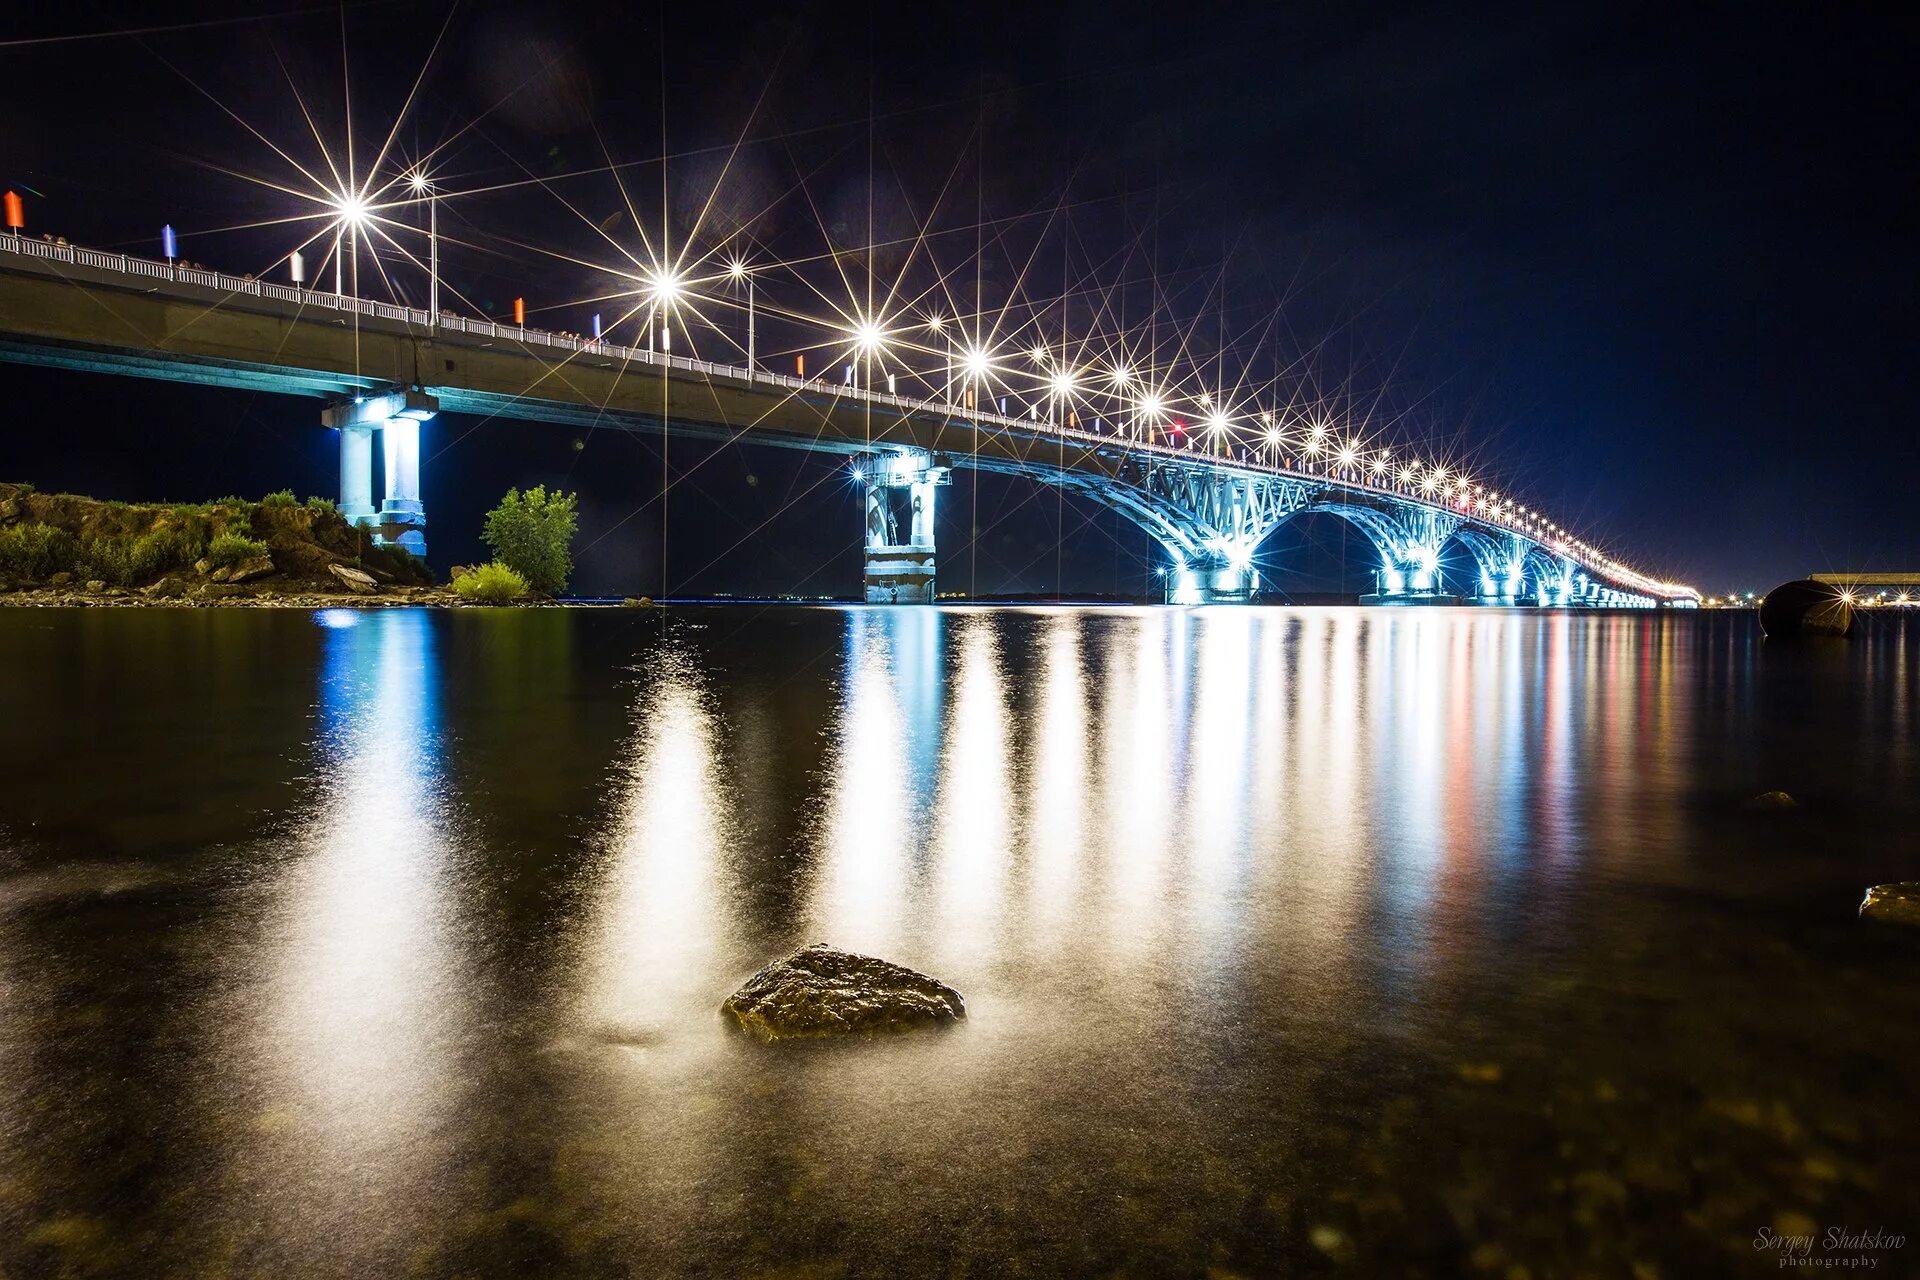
<point x="1897" y="903"/>
<point x="1773" y="801"/>
<point x="822" y="992"/>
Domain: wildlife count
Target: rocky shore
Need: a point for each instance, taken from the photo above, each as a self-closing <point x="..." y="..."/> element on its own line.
<point x="267" y="595"/>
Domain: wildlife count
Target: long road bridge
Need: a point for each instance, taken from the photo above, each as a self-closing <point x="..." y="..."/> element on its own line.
<point x="1208" y="498"/>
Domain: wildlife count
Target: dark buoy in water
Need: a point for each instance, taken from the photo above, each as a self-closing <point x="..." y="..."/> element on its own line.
<point x="1807" y="608"/>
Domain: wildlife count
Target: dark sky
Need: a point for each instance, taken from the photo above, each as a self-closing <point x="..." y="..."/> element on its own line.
<point x="1651" y="270"/>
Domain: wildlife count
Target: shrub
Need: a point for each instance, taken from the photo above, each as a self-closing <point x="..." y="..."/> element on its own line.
<point x="320" y="504"/>
<point x="229" y="549"/>
<point x="106" y="558"/>
<point x="281" y="498"/>
<point x="491" y="583"/>
<point x="153" y="554"/>
<point x="35" y="551"/>
<point x="532" y="533"/>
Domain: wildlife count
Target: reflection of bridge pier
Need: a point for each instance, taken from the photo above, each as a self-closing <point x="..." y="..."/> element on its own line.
<point x="396" y="415"/>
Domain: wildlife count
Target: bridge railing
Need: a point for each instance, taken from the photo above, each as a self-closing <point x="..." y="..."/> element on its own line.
<point x="221" y="282"/>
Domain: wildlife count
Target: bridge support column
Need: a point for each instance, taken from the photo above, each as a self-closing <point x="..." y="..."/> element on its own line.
<point x="356" y="473"/>
<point x="1410" y="576"/>
<point x="901" y="572"/>
<point x="402" y="519"/>
<point x="1211" y="582"/>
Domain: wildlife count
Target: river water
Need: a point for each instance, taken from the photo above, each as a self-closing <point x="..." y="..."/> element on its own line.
<point x="1418" y="941"/>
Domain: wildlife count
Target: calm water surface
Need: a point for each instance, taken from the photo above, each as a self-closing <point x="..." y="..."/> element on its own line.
<point x="1410" y="942"/>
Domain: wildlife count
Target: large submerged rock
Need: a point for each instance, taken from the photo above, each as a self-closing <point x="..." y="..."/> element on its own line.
<point x="1896" y="903"/>
<point x="823" y="992"/>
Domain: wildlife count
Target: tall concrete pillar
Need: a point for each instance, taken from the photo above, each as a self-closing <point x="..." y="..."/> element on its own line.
<point x="923" y="489"/>
<point x="403" y="518"/>
<point x="1211" y="582"/>
<point x="356" y="473"/>
<point x="901" y="572"/>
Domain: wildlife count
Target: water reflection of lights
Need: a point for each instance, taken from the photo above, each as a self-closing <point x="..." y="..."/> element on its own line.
<point x="661" y="909"/>
<point x="1140" y="777"/>
<point x="364" y="990"/>
<point x="870" y="835"/>
<point x="1057" y="813"/>
<point x="335" y="619"/>
<point x="972" y="824"/>
<point x="1220" y="774"/>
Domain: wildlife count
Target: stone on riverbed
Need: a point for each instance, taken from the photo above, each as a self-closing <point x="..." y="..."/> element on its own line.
<point x="1896" y="903"/>
<point x="823" y="992"/>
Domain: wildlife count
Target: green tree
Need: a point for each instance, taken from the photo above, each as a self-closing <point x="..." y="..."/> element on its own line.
<point x="532" y="534"/>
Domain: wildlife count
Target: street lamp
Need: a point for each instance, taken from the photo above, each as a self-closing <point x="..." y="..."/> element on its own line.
<point x="738" y="273"/>
<point x="421" y="185"/>
<point x="663" y="289"/>
<point x="938" y="324"/>
<point x="1062" y="383"/>
<point x="351" y="211"/>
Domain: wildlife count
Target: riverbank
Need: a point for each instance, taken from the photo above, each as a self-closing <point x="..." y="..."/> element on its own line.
<point x="68" y="548"/>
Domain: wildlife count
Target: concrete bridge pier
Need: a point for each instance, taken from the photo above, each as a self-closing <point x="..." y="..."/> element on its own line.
<point x="1412" y="575"/>
<point x="901" y="572"/>
<point x="1212" y="581"/>
<point x="356" y="472"/>
<point x="402" y="518"/>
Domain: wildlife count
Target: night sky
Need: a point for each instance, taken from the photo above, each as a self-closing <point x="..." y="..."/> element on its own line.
<point x="1652" y="271"/>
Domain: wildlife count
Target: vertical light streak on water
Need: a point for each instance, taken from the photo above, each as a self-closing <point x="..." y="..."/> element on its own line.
<point x="363" y="992"/>
<point x="871" y="836"/>
<point x="1272" y="805"/>
<point x="1218" y="776"/>
<point x="661" y="910"/>
<point x="1515" y="735"/>
<point x="973" y="820"/>
<point x="914" y="638"/>
<point x="1322" y="878"/>
<point x="1139" y="776"/>
<point x="1061" y="783"/>
<point x="1462" y="773"/>
<point x="1410" y="767"/>
<point x="1555" y="783"/>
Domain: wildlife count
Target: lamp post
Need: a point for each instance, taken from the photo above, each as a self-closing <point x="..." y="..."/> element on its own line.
<point x="738" y="272"/>
<point x="423" y="186"/>
<point x="938" y="324"/>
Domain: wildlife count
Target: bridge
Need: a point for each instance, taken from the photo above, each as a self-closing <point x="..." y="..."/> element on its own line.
<point x="1208" y="496"/>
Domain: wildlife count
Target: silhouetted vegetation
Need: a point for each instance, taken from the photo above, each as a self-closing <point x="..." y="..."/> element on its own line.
<point x="490" y="583"/>
<point x="126" y="544"/>
<point x="532" y="533"/>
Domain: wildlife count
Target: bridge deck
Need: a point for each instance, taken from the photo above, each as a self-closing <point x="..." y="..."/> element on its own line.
<point x="77" y="308"/>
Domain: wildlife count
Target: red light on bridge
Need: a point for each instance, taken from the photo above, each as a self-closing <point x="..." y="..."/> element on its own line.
<point x="16" y="211"/>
